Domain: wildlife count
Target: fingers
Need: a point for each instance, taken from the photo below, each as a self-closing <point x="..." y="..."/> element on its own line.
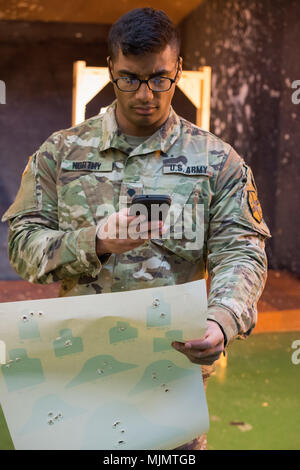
<point x="205" y="361"/>
<point x="203" y="351"/>
<point x="207" y="357"/>
<point x="199" y="352"/>
<point x="144" y="229"/>
<point x="138" y="226"/>
<point x="122" y="232"/>
<point x="208" y="342"/>
<point x="123" y="215"/>
<point x="213" y="337"/>
<point x="209" y="353"/>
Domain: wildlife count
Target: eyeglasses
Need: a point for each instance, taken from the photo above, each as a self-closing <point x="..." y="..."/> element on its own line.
<point x="157" y="84"/>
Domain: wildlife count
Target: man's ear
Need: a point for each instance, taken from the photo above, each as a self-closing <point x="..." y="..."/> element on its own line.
<point x="180" y="62"/>
<point x="109" y="63"/>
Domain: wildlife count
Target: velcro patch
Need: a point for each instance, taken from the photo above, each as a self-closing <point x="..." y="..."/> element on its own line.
<point x="87" y="165"/>
<point x="254" y="206"/>
<point x="190" y="170"/>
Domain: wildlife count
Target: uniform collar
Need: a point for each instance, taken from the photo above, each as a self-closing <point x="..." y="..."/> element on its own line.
<point x="161" y="140"/>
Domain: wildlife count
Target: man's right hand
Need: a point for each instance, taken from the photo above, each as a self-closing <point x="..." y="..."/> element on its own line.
<point x="123" y="232"/>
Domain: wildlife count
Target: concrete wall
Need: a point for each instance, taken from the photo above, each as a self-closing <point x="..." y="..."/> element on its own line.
<point x="36" y="64"/>
<point x="253" y="49"/>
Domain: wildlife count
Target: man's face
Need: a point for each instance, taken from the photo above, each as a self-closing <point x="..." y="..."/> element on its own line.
<point x="142" y="112"/>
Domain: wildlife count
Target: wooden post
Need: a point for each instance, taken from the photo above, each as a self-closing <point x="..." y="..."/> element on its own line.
<point x="87" y="82"/>
<point x="196" y="85"/>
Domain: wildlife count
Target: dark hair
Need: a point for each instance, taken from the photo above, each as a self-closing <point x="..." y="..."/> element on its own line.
<point x="141" y="31"/>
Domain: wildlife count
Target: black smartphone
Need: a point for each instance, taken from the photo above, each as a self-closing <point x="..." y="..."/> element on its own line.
<point x="155" y="206"/>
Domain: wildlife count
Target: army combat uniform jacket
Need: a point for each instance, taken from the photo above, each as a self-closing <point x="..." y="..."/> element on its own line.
<point x="79" y="171"/>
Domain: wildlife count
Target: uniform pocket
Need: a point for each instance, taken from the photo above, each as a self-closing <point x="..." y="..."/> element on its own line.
<point x="187" y="220"/>
<point x="84" y="198"/>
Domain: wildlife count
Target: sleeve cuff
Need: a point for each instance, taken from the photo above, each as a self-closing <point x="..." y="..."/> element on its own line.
<point x="225" y="320"/>
<point x="105" y="257"/>
<point x="86" y="251"/>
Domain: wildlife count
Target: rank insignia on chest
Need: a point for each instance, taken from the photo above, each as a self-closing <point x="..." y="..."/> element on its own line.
<point x="254" y="206"/>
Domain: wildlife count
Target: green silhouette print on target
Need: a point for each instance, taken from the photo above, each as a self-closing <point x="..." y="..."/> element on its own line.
<point x="126" y="427"/>
<point x="98" y="367"/>
<point x="122" y="332"/>
<point x="28" y="327"/>
<point x="163" y="344"/>
<point x="159" y="313"/>
<point x="67" y="344"/>
<point x="49" y="410"/>
<point x="22" y="371"/>
<point x="160" y="374"/>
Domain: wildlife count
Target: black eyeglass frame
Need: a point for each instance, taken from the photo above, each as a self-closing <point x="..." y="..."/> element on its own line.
<point x="172" y="80"/>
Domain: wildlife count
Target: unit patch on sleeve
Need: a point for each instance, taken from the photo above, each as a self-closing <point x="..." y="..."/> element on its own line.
<point x="254" y="206"/>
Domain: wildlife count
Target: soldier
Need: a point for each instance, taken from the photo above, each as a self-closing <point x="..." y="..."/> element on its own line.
<point x="59" y="229"/>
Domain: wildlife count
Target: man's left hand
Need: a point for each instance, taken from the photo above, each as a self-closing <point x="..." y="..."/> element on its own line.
<point x="203" y="351"/>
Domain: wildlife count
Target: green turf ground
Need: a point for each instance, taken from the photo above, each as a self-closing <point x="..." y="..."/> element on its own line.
<point x="259" y="387"/>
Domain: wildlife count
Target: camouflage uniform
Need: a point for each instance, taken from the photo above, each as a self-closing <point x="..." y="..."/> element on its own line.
<point x="54" y="217"/>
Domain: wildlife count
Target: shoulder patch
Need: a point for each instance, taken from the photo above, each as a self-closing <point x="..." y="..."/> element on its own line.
<point x="254" y="206"/>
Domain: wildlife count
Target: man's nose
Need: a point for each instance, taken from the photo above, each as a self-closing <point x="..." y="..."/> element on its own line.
<point x="144" y="93"/>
